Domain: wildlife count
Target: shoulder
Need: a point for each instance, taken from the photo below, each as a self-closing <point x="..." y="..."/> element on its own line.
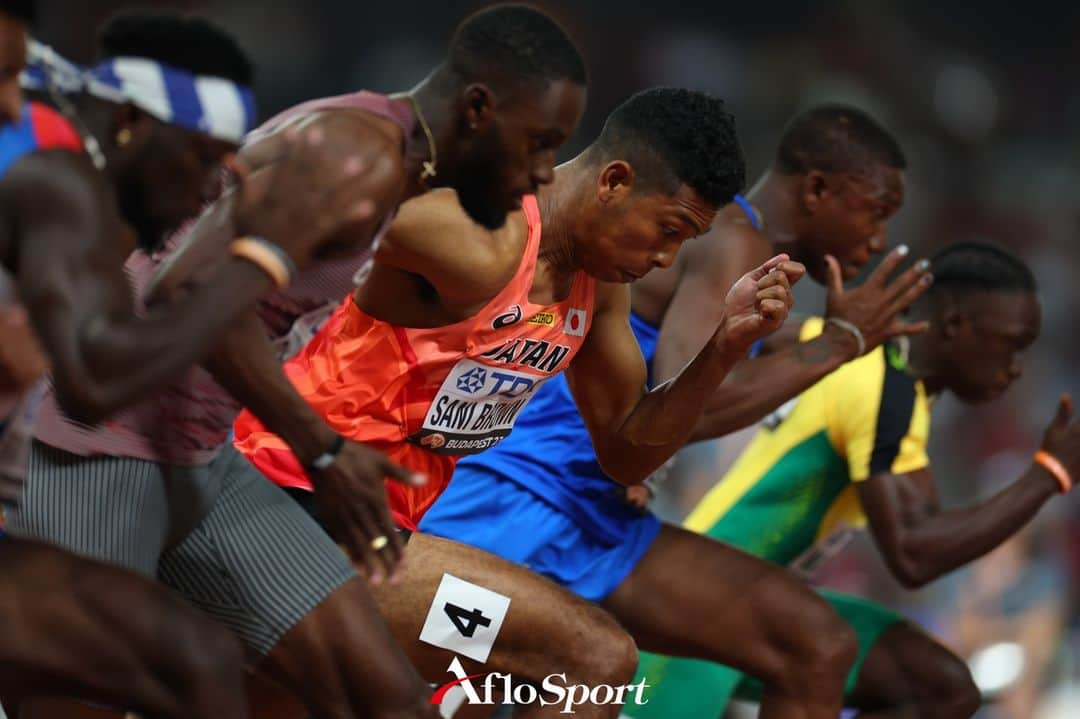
<point x="53" y="184"/>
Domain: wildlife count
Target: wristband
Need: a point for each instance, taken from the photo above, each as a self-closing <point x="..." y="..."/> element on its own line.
<point x="327" y="458"/>
<point x="850" y="329"/>
<point x="1051" y="464"/>
<point x="270" y="258"/>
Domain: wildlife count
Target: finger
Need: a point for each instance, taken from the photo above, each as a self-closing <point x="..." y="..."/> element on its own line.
<point x="834" y="278"/>
<point x="777" y="293"/>
<point x="898" y="328"/>
<point x="370" y="531"/>
<point x="1064" y="410"/>
<point x="773" y="310"/>
<point x="776" y="278"/>
<point x="910" y="278"/>
<point x="396" y="473"/>
<point x="795" y="271"/>
<point x="238" y="168"/>
<point x="909" y="297"/>
<point x="391" y="554"/>
<point x="891" y="262"/>
<point x="768" y="267"/>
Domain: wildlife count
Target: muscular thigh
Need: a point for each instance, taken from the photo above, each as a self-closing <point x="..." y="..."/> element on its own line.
<point x="542" y="620"/>
<point x="76" y="627"/>
<point x="695" y="597"/>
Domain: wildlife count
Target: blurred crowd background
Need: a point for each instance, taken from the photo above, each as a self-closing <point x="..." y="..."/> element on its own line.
<point x="978" y="94"/>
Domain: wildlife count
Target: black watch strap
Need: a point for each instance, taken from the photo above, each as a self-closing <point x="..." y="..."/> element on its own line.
<point x="327" y="458"/>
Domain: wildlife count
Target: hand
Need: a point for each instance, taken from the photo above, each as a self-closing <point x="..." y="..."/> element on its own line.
<point x="638" y="495"/>
<point x="875" y="306"/>
<point x="22" y="360"/>
<point x="352" y="502"/>
<point x="760" y="301"/>
<point x="1062" y="438"/>
<point x="299" y="192"/>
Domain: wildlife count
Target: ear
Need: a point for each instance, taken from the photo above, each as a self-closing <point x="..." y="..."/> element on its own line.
<point x="814" y="190"/>
<point x="479" y="104"/>
<point x="952" y="321"/>
<point x="130" y="128"/>
<point x="616" y="179"/>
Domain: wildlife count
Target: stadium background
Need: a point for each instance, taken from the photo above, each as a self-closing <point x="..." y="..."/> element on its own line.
<point x="978" y="94"/>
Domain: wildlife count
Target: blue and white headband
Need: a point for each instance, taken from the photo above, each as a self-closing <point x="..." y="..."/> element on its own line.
<point x="211" y="105"/>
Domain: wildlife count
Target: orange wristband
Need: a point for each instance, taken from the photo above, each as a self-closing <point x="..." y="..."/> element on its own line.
<point x="1051" y="464"/>
<point x="261" y="253"/>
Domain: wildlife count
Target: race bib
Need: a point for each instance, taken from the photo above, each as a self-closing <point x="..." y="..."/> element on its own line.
<point x="475" y="408"/>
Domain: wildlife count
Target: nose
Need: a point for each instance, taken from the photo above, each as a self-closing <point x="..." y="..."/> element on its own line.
<point x="11" y="102"/>
<point x="663" y="260"/>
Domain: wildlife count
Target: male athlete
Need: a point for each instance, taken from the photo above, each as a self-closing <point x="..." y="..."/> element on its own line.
<point x="465" y="327"/>
<point x="543" y="499"/>
<point x="487" y="122"/>
<point x="73" y="626"/>
<point x="855" y="444"/>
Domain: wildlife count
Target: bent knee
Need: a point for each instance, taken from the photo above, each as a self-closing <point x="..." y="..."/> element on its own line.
<point x="952" y="691"/>
<point x="605" y="653"/>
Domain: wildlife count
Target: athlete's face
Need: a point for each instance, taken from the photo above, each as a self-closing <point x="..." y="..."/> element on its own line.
<point x="171" y="173"/>
<point x="628" y="233"/>
<point x="12" y="62"/>
<point x="511" y="152"/>
<point x="982" y="339"/>
<point x="847" y="216"/>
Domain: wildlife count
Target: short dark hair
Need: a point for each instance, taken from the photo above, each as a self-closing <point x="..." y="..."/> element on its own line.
<point x="964" y="267"/>
<point x="190" y="43"/>
<point x="519" y="40"/>
<point x="25" y="10"/>
<point x="837" y="138"/>
<point x="673" y="136"/>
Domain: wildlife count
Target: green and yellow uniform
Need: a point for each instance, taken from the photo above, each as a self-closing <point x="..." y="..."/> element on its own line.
<point x="791" y="499"/>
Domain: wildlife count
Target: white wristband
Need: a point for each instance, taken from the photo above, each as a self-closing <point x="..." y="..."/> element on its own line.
<point x="852" y="330"/>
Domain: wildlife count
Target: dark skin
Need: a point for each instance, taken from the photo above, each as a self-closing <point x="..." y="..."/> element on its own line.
<point x="908" y="674"/>
<point x="515" y="132"/>
<point x="610" y="232"/>
<point x="797" y="209"/>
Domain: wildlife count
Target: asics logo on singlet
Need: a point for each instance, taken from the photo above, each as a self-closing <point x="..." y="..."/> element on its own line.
<point x="553" y="691"/>
<point x="510" y="317"/>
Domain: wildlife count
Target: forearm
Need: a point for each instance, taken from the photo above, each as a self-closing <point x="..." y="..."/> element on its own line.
<point x="948" y="540"/>
<point x="759" y="386"/>
<point x="245" y="364"/>
<point x="123" y="359"/>
<point x="663" y="419"/>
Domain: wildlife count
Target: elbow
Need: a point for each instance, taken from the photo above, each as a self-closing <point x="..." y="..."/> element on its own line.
<point x="619" y="470"/>
<point x="911" y="570"/>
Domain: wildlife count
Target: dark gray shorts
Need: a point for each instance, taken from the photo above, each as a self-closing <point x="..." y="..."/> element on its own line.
<point x="221" y="534"/>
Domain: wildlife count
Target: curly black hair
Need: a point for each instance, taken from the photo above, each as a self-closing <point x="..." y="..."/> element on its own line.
<point x="25" y="10"/>
<point x="519" y="40"/>
<point x="672" y="136"/>
<point x="190" y="43"/>
<point x="837" y="138"/>
<point x="970" y="266"/>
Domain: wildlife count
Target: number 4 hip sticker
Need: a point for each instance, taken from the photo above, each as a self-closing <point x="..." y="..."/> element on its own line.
<point x="465" y="618"/>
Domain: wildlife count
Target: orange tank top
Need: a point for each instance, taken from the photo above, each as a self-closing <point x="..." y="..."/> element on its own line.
<point x="429" y="396"/>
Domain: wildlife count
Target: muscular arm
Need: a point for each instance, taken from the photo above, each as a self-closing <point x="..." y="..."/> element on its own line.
<point x="755" y="387"/>
<point x="71" y="281"/>
<point x="634" y="431"/>
<point x="920" y="541"/>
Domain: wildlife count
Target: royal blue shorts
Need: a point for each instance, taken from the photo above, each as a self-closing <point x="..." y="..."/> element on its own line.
<point x="487" y="511"/>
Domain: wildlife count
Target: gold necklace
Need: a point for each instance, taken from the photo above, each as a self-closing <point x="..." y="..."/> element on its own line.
<point x="428" y="165"/>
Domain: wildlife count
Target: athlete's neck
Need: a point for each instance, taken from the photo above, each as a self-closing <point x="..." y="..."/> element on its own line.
<point x="437" y="110"/>
<point x="776" y="197"/>
<point x="560" y="206"/>
<point x="921" y="362"/>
